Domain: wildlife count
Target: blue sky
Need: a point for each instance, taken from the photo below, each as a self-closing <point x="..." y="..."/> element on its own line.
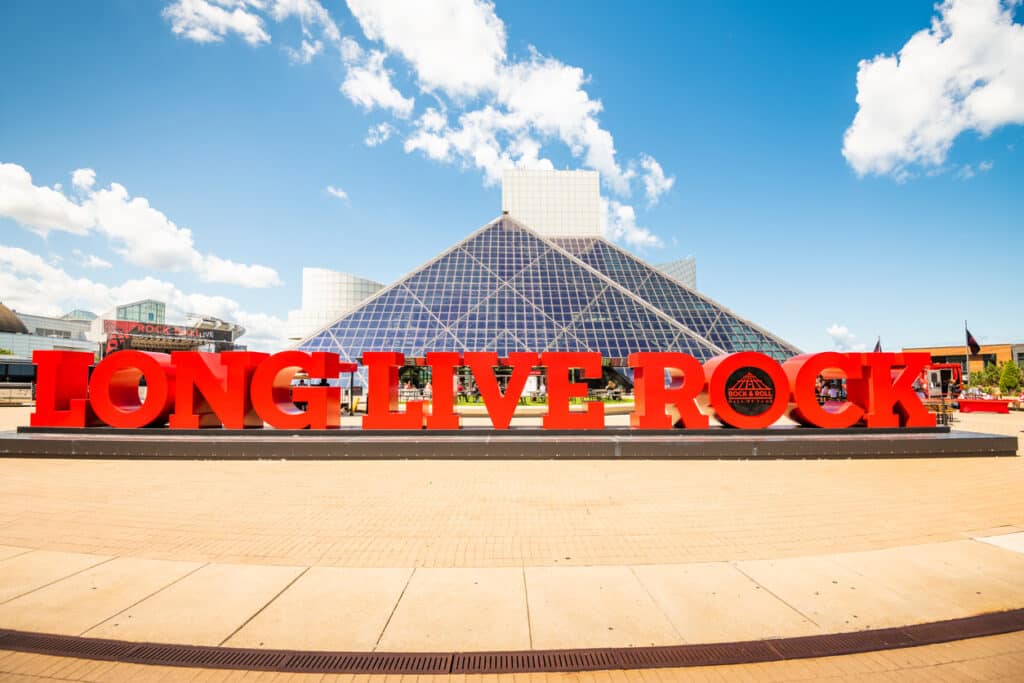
<point x="204" y="115"/>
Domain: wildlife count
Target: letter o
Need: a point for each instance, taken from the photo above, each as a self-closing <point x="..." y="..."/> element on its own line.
<point x="803" y="371"/>
<point x="114" y="389"/>
<point x="741" y="383"/>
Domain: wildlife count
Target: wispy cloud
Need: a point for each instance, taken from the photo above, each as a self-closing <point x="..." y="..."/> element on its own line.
<point x="337" y="192"/>
<point x="843" y="339"/>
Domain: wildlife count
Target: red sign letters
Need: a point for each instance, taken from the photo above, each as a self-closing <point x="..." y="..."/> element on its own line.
<point x="240" y="389"/>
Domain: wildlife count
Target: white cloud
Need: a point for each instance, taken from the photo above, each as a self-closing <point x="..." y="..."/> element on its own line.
<point x="83" y="178"/>
<point x="337" y="192"/>
<point x="655" y="182"/>
<point x="31" y="284"/>
<point x="141" y="234"/>
<point x="212" y="268"/>
<point x="547" y="95"/>
<point x="368" y="84"/>
<point x="351" y="51"/>
<point x="306" y="52"/>
<point x="40" y="209"/>
<point x="618" y="222"/>
<point x="310" y="13"/>
<point x="91" y="260"/>
<point x="455" y="46"/>
<point x="457" y="49"/>
<point x="965" y="72"/>
<point x="435" y="146"/>
<point x="493" y="112"/>
<point x="843" y="339"/>
<point x="379" y="134"/>
<point x="985" y="166"/>
<point x="208" y="22"/>
<point x="432" y="120"/>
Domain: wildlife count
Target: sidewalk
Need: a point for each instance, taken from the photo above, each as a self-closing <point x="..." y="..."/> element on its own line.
<point x="473" y="609"/>
<point x="511" y="555"/>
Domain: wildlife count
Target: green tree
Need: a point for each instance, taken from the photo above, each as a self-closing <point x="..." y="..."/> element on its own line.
<point x="990" y="377"/>
<point x="1009" y="379"/>
<point x="6" y="352"/>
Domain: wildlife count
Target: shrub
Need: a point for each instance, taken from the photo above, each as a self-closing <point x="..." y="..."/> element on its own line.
<point x="1009" y="378"/>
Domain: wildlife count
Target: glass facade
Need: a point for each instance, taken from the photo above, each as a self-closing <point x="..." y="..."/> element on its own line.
<point x="705" y="317"/>
<point x="146" y="311"/>
<point x="504" y="289"/>
<point x="683" y="270"/>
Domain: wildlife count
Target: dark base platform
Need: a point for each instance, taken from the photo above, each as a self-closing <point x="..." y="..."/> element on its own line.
<point x="512" y="444"/>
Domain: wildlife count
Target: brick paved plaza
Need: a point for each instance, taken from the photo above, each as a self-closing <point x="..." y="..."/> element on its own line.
<point x="469" y="555"/>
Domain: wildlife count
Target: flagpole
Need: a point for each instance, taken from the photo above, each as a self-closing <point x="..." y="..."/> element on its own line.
<point x="967" y="358"/>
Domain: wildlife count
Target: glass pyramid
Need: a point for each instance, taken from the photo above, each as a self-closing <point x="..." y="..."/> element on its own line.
<point x="505" y="288"/>
<point x="706" y="317"/>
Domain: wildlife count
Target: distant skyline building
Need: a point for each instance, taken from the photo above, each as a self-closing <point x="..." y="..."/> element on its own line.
<point x="142" y="326"/>
<point x="684" y="270"/>
<point x="553" y="203"/>
<point x="144" y="311"/>
<point x="326" y="296"/>
<point x="23" y="333"/>
<point x="79" y="314"/>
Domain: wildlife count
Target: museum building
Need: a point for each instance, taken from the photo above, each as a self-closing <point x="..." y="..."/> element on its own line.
<point x="512" y="287"/>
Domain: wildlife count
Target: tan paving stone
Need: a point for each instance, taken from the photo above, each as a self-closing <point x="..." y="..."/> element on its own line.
<point x="460" y="609"/>
<point x="945" y="580"/>
<point x="1012" y="541"/>
<point x="833" y="597"/>
<point x="327" y="608"/>
<point x="204" y="608"/>
<point x="75" y="604"/>
<point x="23" y="573"/>
<point x="714" y="602"/>
<point x="513" y="513"/>
<point x="593" y="607"/>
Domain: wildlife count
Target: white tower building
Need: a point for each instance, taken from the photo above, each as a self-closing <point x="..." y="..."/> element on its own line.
<point x="326" y="296"/>
<point x="553" y="203"/>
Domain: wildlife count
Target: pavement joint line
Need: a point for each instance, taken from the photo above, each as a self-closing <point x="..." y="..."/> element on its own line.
<point x="526" y="598"/>
<point x="26" y="551"/>
<point x="68" y="576"/>
<point x="143" y="599"/>
<point x="657" y="603"/>
<point x="265" y="606"/>
<point x="394" y="608"/>
<point x="772" y="593"/>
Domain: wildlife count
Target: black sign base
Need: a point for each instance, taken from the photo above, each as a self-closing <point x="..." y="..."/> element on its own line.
<point x="513" y="444"/>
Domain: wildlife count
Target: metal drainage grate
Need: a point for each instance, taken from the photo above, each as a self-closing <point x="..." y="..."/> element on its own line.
<point x="369" y="662"/>
<point x="45" y="643"/>
<point x="207" y="657"/>
<point x="541" y="660"/>
<point x="589" y="659"/>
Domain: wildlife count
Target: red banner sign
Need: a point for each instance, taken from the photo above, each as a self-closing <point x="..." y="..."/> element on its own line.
<point x="241" y="389"/>
<point x="134" y="328"/>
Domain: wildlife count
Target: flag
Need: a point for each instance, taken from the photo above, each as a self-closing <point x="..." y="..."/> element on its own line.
<point x="972" y="343"/>
<point x="878" y="345"/>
